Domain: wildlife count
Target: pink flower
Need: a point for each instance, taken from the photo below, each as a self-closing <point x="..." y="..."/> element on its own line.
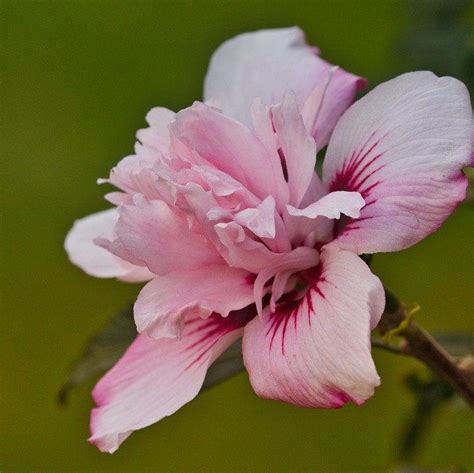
<point x="220" y="209"/>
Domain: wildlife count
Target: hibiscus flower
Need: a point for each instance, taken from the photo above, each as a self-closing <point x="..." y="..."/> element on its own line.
<point x="221" y="211"/>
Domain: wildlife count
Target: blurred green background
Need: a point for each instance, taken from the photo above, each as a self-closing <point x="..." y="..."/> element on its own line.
<point x="77" y="79"/>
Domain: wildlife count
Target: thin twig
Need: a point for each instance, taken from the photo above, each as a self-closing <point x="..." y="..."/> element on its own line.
<point x="458" y="372"/>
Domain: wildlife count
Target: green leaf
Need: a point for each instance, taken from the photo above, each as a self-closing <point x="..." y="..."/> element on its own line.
<point x="101" y="351"/>
<point x="228" y="364"/>
<point x="430" y="395"/>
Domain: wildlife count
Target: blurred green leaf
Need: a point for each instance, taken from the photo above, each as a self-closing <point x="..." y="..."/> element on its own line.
<point x="430" y="394"/>
<point x="228" y="364"/>
<point x="101" y="351"/>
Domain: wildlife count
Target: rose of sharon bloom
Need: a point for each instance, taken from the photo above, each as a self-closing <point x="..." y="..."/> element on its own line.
<point x="220" y="209"/>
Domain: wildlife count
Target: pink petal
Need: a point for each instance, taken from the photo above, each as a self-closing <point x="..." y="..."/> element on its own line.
<point x="262" y="125"/>
<point x="316" y="191"/>
<point x="328" y="101"/>
<point x="219" y="229"/>
<point x="314" y="224"/>
<point x="134" y="174"/>
<point x="260" y="220"/>
<point x="299" y="259"/>
<point x="156" y="235"/>
<point x="240" y="250"/>
<point x="268" y="63"/>
<point x="402" y="147"/>
<point x="157" y="136"/>
<point x="156" y="377"/>
<point x="297" y="147"/>
<point x="222" y="185"/>
<point x="164" y="302"/>
<point x="315" y="352"/>
<point x="332" y="206"/>
<point x="233" y="149"/>
<point x="205" y="209"/>
<point x="93" y="259"/>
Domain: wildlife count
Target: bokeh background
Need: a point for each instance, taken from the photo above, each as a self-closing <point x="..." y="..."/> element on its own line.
<point x="77" y="80"/>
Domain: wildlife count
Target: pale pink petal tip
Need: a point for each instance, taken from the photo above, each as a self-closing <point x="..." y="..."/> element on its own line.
<point x="93" y="259"/>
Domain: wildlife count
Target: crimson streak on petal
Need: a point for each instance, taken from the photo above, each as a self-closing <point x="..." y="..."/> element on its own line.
<point x="156" y="377"/>
<point x="315" y="352"/>
<point x="211" y="332"/>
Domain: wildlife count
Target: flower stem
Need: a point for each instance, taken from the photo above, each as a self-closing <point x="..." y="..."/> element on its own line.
<point x="458" y="372"/>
